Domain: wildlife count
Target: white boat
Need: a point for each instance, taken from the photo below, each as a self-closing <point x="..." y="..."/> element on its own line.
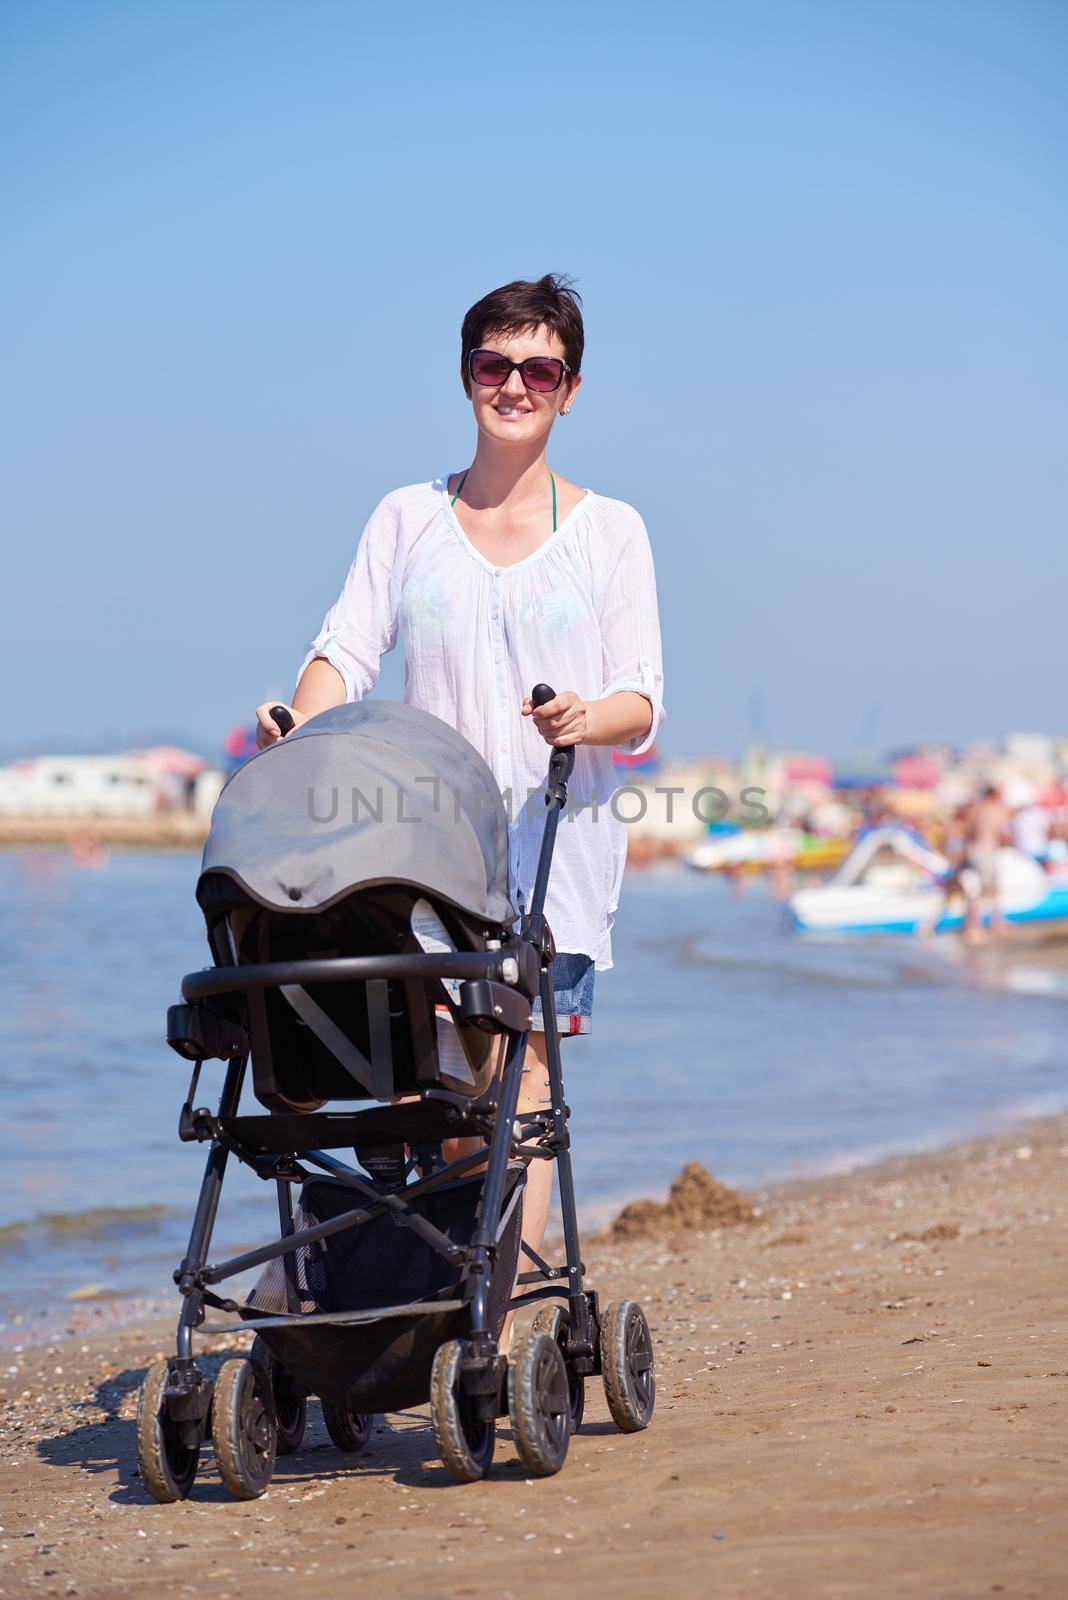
<point x="762" y="848"/>
<point x="892" y="883"/>
<point x="746" y="848"/>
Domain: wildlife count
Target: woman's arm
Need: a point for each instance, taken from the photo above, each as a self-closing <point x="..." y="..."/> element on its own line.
<point x="631" y="706"/>
<point x="321" y="686"/>
<point x="568" y="719"/>
<point x="618" y="717"/>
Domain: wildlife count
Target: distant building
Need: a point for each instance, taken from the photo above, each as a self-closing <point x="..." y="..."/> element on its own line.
<point x="1031" y="750"/>
<point x="135" y="784"/>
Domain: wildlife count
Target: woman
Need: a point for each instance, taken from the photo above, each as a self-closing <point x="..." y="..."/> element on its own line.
<point x="497" y="578"/>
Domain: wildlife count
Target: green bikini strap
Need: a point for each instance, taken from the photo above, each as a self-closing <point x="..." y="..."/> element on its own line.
<point x="463" y="480"/>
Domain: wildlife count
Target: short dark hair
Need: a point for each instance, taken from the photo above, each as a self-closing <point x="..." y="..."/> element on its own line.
<point x="524" y="305"/>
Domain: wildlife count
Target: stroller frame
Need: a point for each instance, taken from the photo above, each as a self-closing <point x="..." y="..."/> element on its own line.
<point x="282" y="1146"/>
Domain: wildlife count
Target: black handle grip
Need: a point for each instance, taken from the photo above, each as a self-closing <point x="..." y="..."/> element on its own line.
<point x="284" y="720"/>
<point x="541" y="694"/>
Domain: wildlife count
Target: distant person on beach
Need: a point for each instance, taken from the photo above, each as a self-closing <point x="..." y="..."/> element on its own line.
<point x="954" y="846"/>
<point x="781" y="851"/>
<point x="987" y="831"/>
<point x="1031" y="830"/>
<point x="1057" y="844"/>
<point x="497" y="578"/>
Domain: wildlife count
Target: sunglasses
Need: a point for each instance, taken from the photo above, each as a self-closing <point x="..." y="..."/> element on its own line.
<point x="543" y="374"/>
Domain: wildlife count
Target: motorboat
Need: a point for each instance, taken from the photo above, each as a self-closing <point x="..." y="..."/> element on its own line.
<point x="755" y="850"/>
<point x="893" y="882"/>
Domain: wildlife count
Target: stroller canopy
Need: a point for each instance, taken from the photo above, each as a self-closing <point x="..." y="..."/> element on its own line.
<point x="364" y="794"/>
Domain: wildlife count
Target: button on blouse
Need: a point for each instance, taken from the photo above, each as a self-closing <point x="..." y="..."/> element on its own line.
<point x="579" y="613"/>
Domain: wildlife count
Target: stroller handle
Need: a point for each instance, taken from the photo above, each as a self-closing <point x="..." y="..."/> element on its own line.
<point x="563" y="756"/>
<point x="347" y="969"/>
<point x="561" y="763"/>
<point x="284" y="720"/>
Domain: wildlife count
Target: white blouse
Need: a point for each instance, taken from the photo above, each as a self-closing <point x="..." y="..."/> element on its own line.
<point x="579" y="613"/>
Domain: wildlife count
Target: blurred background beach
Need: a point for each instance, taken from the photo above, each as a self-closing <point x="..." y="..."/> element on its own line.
<point x="821" y="253"/>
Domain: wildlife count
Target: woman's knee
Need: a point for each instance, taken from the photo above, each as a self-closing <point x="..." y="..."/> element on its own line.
<point x="456" y="1149"/>
<point x="534" y="1092"/>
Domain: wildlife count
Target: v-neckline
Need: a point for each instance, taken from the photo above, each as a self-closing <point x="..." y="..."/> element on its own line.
<point x="495" y="567"/>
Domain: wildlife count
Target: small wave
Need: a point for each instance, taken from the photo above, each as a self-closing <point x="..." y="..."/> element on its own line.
<point x="55" y="1227"/>
<point x="989" y="1124"/>
<point x="830" y="964"/>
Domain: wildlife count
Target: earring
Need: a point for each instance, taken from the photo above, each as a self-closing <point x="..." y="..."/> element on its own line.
<point x="564" y="410"/>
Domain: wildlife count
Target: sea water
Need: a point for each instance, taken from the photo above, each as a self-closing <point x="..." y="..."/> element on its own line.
<point x="721" y="1035"/>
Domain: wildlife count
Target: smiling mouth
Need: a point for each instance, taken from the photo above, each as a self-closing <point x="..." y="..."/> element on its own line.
<point x="511" y="411"/>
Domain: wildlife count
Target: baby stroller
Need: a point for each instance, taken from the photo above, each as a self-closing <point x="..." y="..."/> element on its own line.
<point x="355" y="889"/>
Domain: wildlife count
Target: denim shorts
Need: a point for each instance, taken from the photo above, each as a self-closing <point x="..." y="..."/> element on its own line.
<point x="573" y="977"/>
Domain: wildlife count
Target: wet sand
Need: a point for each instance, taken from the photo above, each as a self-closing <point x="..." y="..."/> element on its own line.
<point x="863" y="1392"/>
<point x="167" y="830"/>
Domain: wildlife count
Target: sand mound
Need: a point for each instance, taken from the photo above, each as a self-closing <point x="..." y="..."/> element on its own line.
<point x="695" y="1200"/>
<point x="939" y="1230"/>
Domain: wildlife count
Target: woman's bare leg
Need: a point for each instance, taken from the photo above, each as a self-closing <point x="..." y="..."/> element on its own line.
<point x="534" y="1095"/>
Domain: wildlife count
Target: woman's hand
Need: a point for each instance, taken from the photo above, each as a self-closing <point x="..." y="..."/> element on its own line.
<point x="267" y="729"/>
<point x="561" y="720"/>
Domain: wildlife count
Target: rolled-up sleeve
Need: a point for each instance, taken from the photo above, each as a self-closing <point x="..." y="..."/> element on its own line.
<point x="630" y="630"/>
<point x="361" y="626"/>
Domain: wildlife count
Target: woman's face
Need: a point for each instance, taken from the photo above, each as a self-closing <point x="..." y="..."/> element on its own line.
<point x="513" y="413"/>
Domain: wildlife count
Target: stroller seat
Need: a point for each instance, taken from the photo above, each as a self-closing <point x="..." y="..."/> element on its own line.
<point x="349" y="843"/>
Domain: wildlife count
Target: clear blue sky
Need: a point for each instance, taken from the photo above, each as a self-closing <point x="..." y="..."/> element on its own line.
<point x="822" y="247"/>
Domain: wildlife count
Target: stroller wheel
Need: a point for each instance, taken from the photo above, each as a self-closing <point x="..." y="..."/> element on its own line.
<point x="246" y="1434"/>
<point x="290" y="1399"/>
<point x="167" y="1466"/>
<point x="627" y="1365"/>
<point x="556" y="1321"/>
<point x="464" y="1442"/>
<point x="539" y="1404"/>
<point x="349" y="1430"/>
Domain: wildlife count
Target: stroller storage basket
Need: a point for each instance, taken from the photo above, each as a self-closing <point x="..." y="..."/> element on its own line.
<point x="385" y="1365"/>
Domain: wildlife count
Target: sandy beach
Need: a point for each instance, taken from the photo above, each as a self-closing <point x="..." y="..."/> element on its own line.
<point x="860" y="1392"/>
<point x="168" y="830"/>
